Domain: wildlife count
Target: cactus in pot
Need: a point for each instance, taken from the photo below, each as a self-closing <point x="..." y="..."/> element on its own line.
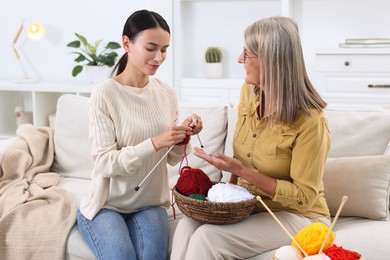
<point x="214" y="68"/>
<point x="213" y="55"/>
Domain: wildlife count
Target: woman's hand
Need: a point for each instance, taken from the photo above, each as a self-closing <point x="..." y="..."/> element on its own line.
<point x="220" y="161"/>
<point x="195" y="122"/>
<point x="171" y="136"/>
<point x="177" y="134"/>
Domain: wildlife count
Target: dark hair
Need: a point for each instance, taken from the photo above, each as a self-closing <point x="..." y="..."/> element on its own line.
<point x="139" y="21"/>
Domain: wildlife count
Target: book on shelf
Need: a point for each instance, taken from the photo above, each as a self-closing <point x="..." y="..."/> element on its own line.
<point x="368" y="41"/>
<point x="347" y="45"/>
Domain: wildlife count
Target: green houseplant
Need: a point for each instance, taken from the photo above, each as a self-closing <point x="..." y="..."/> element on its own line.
<point x="89" y="54"/>
<point x="214" y="67"/>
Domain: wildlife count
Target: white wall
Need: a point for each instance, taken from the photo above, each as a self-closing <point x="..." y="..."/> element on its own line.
<point x="94" y="19"/>
<point x="323" y="24"/>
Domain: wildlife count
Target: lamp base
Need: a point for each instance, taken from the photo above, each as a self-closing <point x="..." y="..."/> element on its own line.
<point x="26" y="80"/>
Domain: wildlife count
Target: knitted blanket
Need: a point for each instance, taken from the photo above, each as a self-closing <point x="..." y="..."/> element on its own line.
<point x="36" y="216"/>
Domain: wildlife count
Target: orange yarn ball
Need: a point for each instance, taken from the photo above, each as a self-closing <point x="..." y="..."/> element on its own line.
<point x="311" y="238"/>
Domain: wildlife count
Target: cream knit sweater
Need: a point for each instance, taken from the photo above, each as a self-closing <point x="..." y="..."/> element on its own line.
<point x="123" y="120"/>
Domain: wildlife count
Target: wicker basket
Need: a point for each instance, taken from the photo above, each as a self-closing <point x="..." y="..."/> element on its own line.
<point x="219" y="213"/>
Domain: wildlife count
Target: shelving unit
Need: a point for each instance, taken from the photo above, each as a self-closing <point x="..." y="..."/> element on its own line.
<point x="39" y="98"/>
<point x="354" y="77"/>
<point x="197" y="25"/>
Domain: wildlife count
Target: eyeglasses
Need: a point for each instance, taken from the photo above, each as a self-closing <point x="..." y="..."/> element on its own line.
<point x="246" y="56"/>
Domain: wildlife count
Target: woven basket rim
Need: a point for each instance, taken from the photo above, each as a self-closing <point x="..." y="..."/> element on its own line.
<point x="206" y="202"/>
<point x="214" y="212"/>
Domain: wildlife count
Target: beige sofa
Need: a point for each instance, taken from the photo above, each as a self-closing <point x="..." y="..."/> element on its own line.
<point x="358" y="167"/>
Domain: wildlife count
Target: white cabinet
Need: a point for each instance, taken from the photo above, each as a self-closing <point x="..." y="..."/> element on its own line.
<point x="198" y="24"/>
<point x="354" y="78"/>
<point x="39" y="98"/>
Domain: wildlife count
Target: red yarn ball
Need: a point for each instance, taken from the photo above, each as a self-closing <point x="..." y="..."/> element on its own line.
<point x="193" y="181"/>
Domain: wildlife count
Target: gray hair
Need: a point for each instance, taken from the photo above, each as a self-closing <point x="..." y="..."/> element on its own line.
<point x="283" y="77"/>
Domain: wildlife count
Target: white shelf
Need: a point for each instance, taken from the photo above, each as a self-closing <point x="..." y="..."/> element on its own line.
<point x="38" y="98"/>
<point x="197" y="25"/>
<point x="211" y="83"/>
<point x="47" y="86"/>
<point x="359" y="51"/>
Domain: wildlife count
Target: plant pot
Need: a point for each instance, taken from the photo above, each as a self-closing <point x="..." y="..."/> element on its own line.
<point x="214" y="70"/>
<point x="97" y="74"/>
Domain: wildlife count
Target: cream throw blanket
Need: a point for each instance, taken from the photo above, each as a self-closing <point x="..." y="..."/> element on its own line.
<point x="36" y="216"/>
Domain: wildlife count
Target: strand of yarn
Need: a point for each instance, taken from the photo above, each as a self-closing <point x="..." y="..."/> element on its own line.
<point x="184" y="143"/>
<point x="190" y="181"/>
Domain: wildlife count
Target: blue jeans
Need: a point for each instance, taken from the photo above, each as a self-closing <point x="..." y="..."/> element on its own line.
<point x="139" y="235"/>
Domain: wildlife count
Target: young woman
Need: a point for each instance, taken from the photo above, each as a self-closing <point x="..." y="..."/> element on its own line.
<point x="133" y="121"/>
<point x="281" y="143"/>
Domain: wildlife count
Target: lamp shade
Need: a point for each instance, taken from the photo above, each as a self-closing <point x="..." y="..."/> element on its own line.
<point x="36" y="31"/>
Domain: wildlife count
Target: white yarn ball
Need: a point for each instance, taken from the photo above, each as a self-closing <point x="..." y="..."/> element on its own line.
<point x="227" y="192"/>
<point x="288" y="253"/>
<point x="317" y="257"/>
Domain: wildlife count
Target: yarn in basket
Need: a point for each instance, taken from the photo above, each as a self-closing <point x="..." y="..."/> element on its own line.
<point x="193" y="181"/>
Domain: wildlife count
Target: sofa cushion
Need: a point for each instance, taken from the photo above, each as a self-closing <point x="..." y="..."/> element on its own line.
<point x="3" y="146"/>
<point x="72" y="148"/>
<point x="214" y="119"/>
<point x="367" y="237"/>
<point x="75" y="187"/>
<point x="232" y="120"/>
<point x="364" y="179"/>
<point x="358" y="132"/>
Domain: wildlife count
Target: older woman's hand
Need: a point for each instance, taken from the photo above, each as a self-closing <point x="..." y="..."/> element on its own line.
<point x="220" y="161"/>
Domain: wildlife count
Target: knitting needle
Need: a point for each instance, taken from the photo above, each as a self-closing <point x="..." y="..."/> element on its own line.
<point x="201" y="145"/>
<point x="192" y="125"/>
<point x="150" y="172"/>
<point x="280" y="223"/>
<point x="343" y="201"/>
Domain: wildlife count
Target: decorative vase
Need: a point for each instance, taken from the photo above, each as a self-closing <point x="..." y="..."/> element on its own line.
<point x="97" y="74"/>
<point x="214" y="70"/>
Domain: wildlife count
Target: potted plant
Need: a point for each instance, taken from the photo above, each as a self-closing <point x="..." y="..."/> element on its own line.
<point x="97" y="62"/>
<point x="213" y="57"/>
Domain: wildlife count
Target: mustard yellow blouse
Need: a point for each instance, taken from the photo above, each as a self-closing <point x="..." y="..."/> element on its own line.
<point x="294" y="154"/>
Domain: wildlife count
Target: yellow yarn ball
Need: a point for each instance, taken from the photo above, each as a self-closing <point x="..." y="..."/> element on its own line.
<point x="311" y="238"/>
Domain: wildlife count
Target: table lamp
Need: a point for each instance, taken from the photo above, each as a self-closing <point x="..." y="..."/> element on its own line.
<point x="34" y="32"/>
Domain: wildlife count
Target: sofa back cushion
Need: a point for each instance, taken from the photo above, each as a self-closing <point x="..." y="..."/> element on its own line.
<point x="358" y="133"/>
<point x="365" y="180"/>
<point x="71" y="143"/>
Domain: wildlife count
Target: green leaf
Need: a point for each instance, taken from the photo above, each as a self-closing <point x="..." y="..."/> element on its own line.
<point x="97" y="43"/>
<point x="112" y="54"/>
<point x="90" y="54"/>
<point x="76" y="70"/>
<point x="82" y="38"/>
<point x="74" y="44"/>
<point x="106" y="60"/>
<point x="80" y="58"/>
<point x="113" y="45"/>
